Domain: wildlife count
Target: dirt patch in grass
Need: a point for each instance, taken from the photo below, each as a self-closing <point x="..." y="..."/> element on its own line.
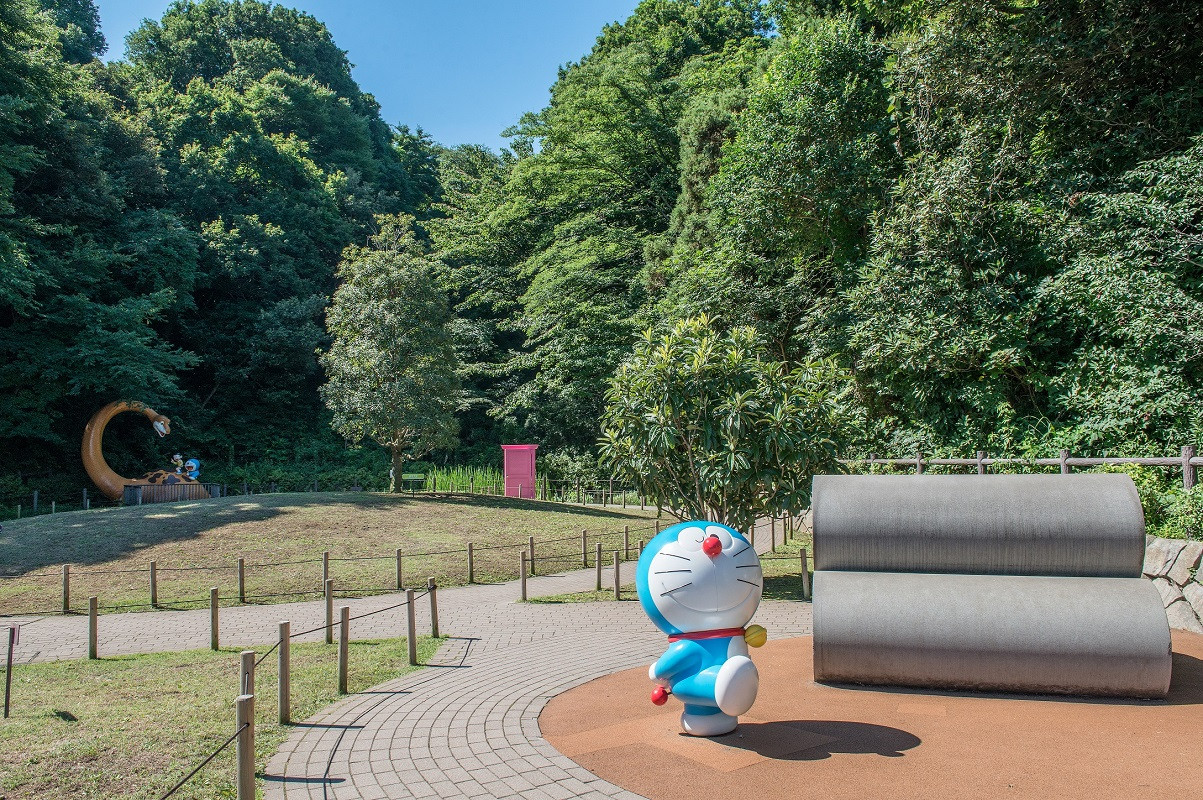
<point x="281" y="537"/>
<point x="133" y="726"/>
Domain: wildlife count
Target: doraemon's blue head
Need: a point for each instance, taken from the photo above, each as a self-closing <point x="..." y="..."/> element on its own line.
<point x="192" y="468"/>
<point x="698" y="576"/>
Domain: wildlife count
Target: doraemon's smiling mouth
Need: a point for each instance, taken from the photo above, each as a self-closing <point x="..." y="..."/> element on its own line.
<point x="706" y="578"/>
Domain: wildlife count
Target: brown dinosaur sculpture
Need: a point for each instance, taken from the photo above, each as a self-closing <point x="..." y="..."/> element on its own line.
<point x="112" y="484"/>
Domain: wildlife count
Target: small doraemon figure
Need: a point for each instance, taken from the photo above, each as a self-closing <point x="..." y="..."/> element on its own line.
<point x="192" y="468"/>
<point x="700" y="582"/>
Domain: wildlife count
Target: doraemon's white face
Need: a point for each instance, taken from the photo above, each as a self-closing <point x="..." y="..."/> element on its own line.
<point x="705" y="580"/>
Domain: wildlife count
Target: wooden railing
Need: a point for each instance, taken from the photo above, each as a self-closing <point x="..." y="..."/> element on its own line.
<point x="1188" y="462"/>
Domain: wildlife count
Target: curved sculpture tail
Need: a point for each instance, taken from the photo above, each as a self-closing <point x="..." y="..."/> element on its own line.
<point x="108" y="481"/>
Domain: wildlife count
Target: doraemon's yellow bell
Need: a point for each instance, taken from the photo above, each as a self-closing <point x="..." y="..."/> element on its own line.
<point x="755" y="635"/>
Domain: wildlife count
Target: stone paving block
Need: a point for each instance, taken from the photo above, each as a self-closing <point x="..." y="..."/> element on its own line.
<point x="1169" y="592"/>
<point x="1185" y="563"/>
<point x="1182" y="616"/>
<point x="1193" y="593"/>
<point x="1160" y="556"/>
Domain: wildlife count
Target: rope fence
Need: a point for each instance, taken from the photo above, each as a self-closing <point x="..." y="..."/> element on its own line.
<point x="74" y="580"/>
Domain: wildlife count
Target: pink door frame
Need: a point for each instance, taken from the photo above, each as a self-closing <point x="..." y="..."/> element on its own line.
<point x="520" y="470"/>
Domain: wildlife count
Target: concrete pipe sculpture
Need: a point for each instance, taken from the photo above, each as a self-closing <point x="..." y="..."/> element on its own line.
<point x="1026" y="583"/>
<point x="700" y="583"/>
<point x="112" y="484"/>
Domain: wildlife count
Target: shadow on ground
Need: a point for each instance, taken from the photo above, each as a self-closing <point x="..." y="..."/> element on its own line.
<point x="819" y="739"/>
<point x="103" y="535"/>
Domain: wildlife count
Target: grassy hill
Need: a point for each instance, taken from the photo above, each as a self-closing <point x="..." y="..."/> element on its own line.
<point x="281" y="537"/>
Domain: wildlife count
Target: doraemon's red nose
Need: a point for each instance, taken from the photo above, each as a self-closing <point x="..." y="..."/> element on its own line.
<point x="712" y="546"/>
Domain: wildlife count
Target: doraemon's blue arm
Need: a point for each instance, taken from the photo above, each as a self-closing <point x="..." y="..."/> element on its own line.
<point x="681" y="656"/>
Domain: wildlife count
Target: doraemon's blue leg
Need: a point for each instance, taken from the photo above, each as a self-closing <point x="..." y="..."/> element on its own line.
<point x="697" y="690"/>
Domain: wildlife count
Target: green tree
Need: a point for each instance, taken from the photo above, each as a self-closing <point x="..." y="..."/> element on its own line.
<point x="91" y="264"/>
<point x="810" y="162"/>
<point x="704" y="424"/>
<point x="391" y="367"/>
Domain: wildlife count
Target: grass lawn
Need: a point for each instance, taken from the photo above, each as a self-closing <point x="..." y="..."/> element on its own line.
<point x="782" y="577"/>
<point x="132" y="726"/>
<point x="197" y="544"/>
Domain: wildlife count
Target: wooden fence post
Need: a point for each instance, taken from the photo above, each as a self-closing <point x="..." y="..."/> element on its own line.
<point x="522" y="576"/>
<point x="246" y="672"/>
<point x="93" y="633"/>
<point x="213" y="640"/>
<point x="1064" y="456"/>
<point x="598" y="562"/>
<point x="66" y="588"/>
<point x="344" y="646"/>
<point x="1189" y="470"/>
<point x="773" y="534"/>
<point x="400" y="574"/>
<point x="432" y="591"/>
<point x="981" y="468"/>
<point x="919" y="463"/>
<point x="284" y="676"/>
<point x="329" y="592"/>
<point x="805" y="573"/>
<point x="617" y="578"/>
<point x="626" y="542"/>
<point x="154" y="584"/>
<point x="245" y="748"/>
<point x="530" y="543"/>
<point x="84" y="504"/>
<point x="471" y="571"/>
<point x="639" y="549"/>
<point x="584" y="548"/>
<point x="242" y="583"/>
<point x="411" y="623"/>
<point x="325" y="567"/>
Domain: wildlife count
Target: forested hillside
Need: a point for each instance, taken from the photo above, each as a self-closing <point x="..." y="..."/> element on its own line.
<point x="989" y="214"/>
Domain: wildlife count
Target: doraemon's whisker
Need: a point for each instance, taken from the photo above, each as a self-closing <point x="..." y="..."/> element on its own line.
<point x="679" y="588"/>
<point x="667" y="571"/>
<point x="741" y="580"/>
<point x="746" y="566"/>
<point x="674" y="555"/>
<point x="746" y="548"/>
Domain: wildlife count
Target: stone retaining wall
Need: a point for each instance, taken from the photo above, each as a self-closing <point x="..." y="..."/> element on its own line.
<point x="1172" y="565"/>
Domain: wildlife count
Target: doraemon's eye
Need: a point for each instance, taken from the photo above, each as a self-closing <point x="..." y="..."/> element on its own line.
<point x="691" y="538"/>
<point x="721" y="533"/>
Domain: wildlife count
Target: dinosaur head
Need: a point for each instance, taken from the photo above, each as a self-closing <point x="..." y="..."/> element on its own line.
<point x="161" y="424"/>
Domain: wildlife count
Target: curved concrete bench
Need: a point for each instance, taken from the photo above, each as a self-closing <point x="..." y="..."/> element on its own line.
<point x="1009" y="582"/>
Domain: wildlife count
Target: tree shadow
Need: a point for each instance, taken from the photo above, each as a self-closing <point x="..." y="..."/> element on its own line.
<point x="102" y="535"/>
<point x="815" y="740"/>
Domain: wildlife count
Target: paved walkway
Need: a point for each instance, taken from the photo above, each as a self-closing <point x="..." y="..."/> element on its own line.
<point x="467" y="725"/>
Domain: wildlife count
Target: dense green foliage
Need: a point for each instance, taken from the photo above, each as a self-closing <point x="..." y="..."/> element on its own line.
<point x="988" y="215"/>
<point x="697" y="422"/>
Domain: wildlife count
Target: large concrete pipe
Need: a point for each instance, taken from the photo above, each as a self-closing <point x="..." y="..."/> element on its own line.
<point x="1097" y="636"/>
<point x="1013" y="582"/>
<point x="1073" y="525"/>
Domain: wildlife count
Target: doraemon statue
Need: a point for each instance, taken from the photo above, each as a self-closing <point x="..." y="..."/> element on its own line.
<point x="700" y="583"/>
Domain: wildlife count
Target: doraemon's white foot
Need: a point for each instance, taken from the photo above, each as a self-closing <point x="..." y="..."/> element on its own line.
<point x="708" y="724"/>
<point x="736" y="685"/>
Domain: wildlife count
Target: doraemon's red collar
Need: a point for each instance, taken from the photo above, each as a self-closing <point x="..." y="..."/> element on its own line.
<point x="718" y="633"/>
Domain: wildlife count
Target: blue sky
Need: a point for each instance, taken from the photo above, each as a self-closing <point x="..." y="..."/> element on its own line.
<point x="463" y="70"/>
